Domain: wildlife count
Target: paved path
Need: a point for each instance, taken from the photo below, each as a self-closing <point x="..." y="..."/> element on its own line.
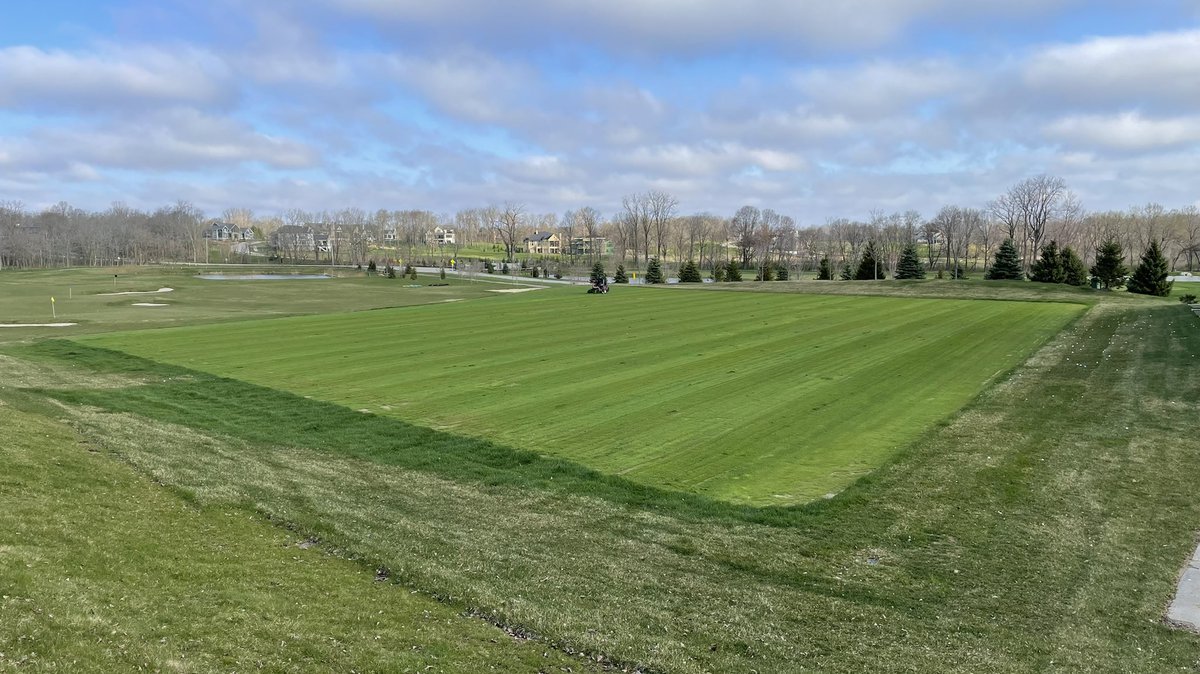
<point x="1185" y="607"/>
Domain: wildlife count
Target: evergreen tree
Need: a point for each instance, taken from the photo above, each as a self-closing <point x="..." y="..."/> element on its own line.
<point x="371" y="266"/>
<point x="442" y="273"/>
<point x="847" y="272"/>
<point x="909" y="266"/>
<point x="598" y="274"/>
<point x="1110" y="270"/>
<point x="869" y="266"/>
<point x="412" y="272"/>
<point x="489" y="266"/>
<point x="689" y="273"/>
<point x="1007" y="266"/>
<point x="781" y="272"/>
<point x="1074" y="271"/>
<point x="718" y="273"/>
<point x="765" y="273"/>
<point x="733" y="273"/>
<point x="1049" y="266"/>
<point x="654" y="272"/>
<point x="825" y="270"/>
<point x="620" y="276"/>
<point x="1150" y="277"/>
<point x="504" y="269"/>
<point x="389" y="271"/>
<point x="408" y="269"/>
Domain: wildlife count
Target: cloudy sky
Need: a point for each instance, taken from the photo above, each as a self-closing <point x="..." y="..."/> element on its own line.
<point x="817" y="109"/>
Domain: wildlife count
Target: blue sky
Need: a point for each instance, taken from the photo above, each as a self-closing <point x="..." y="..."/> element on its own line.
<point x="818" y="110"/>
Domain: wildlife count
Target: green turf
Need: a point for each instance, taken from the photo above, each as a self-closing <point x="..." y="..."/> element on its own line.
<point x="83" y="296"/>
<point x="103" y="571"/>
<point x="764" y="399"/>
<point x="1041" y="528"/>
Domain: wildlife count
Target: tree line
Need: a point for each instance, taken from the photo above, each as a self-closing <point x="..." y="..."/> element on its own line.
<point x="955" y="239"/>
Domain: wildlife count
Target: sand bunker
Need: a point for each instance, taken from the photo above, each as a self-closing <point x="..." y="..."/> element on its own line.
<point x="141" y="292"/>
<point x="515" y="290"/>
<point x="37" y="325"/>
<point x="149" y="304"/>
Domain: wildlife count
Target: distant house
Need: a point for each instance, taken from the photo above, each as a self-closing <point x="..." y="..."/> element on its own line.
<point x="587" y="245"/>
<point x="227" y="231"/>
<point x="390" y="235"/>
<point x="543" y="243"/>
<point x="440" y="237"/>
<point x="293" y="238"/>
<point x="321" y="241"/>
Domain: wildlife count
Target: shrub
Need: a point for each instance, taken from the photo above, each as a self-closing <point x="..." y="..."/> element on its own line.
<point x="765" y="273"/>
<point x="909" y="266"/>
<point x="1074" y="271"/>
<point x="1007" y="266"/>
<point x="598" y="274"/>
<point x="620" y="276"/>
<point x="1049" y="266"/>
<point x="1187" y="299"/>
<point x="1110" y="270"/>
<point x="718" y="273"/>
<point x="869" y="266"/>
<point x="689" y="273"/>
<point x="1150" y="277"/>
<point x="781" y="272"/>
<point x="825" y="270"/>
<point x="733" y="273"/>
<point x="654" y="272"/>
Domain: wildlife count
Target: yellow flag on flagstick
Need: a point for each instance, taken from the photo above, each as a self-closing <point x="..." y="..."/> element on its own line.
<point x="51" y="300"/>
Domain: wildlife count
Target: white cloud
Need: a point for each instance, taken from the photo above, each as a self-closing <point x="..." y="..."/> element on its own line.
<point x="706" y="159"/>
<point x="179" y="139"/>
<point x="654" y="26"/>
<point x="468" y="85"/>
<point x="1126" y="131"/>
<point x="111" y="77"/>
<point x="1154" y="68"/>
<point x="880" y="88"/>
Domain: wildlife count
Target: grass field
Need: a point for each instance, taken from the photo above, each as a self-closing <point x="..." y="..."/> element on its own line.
<point x="84" y="297"/>
<point x="1040" y="526"/>
<point x="765" y="399"/>
<point x="102" y="570"/>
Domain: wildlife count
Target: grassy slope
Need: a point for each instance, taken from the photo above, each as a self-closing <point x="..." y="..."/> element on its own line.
<point x="88" y="586"/>
<point x="1041" y="529"/>
<point x="761" y="399"/>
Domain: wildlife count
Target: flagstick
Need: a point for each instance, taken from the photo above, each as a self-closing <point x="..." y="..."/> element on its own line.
<point x="53" y="311"/>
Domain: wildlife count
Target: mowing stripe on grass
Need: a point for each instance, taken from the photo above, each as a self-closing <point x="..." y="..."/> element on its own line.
<point x="763" y="399"/>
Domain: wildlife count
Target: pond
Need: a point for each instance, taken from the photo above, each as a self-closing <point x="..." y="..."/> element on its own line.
<point x="261" y="277"/>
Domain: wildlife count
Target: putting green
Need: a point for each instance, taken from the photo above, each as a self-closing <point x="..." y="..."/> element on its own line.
<point x="754" y="398"/>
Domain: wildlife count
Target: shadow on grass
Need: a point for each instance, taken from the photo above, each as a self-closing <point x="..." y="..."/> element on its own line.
<point x="267" y="416"/>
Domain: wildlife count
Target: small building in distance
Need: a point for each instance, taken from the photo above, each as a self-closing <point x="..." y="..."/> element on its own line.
<point x="543" y="243"/>
<point x="293" y="238"/>
<point x="227" y="231"/>
<point x="598" y="245"/>
<point x="440" y="237"/>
